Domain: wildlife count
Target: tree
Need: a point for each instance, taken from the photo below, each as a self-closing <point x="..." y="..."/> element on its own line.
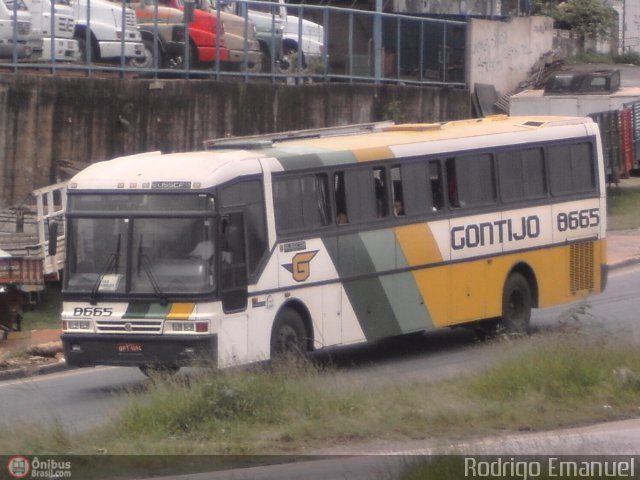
<point x="587" y="18"/>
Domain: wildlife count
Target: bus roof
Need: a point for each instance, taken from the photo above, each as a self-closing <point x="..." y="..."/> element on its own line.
<point x="314" y="148"/>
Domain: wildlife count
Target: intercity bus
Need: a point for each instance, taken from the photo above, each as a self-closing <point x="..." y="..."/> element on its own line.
<point x="258" y="247"/>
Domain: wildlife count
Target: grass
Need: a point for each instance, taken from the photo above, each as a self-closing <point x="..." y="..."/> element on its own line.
<point x="622" y="208"/>
<point x="542" y="382"/>
<point x="46" y="313"/>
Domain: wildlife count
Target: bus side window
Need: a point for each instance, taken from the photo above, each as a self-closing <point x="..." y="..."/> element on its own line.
<point x="436" y="184"/>
<point x="340" y="198"/>
<point x="452" y="183"/>
<point x="248" y="197"/>
<point x="380" y="191"/>
<point x="396" y="192"/>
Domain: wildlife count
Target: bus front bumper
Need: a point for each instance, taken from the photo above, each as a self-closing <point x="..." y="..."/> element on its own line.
<point x="84" y="350"/>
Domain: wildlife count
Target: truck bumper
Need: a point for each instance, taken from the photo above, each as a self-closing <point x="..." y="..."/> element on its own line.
<point x="22" y="50"/>
<point x="237" y="57"/>
<point x="85" y="350"/>
<point x="111" y="50"/>
<point x="64" y="50"/>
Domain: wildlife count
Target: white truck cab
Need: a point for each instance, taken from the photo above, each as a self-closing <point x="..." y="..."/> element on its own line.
<point x="61" y="46"/>
<point x="16" y="30"/>
<point x="275" y="25"/>
<point x="100" y="31"/>
<point x="312" y="40"/>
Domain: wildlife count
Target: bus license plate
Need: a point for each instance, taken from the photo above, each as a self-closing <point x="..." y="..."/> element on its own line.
<point x="130" y="348"/>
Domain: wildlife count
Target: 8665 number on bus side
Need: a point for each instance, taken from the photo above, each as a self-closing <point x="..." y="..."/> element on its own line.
<point x="577" y="219"/>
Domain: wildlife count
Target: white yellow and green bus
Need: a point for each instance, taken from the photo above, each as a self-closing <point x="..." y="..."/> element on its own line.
<point x="257" y="247"/>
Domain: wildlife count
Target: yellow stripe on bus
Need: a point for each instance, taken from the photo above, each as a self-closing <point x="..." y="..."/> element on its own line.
<point x="420" y="248"/>
<point x="373" y="153"/>
<point x="181" y="311"/>
<point x="464" y="292"/>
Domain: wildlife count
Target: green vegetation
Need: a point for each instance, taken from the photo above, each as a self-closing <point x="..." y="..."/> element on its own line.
<point x="587" y="18"/>
<point x="622" y="207"/>
<point x="591" y="58"/>
<point x="632" y="58"/>
<point x="539" y="382"/>
<point x="46" y="313"/>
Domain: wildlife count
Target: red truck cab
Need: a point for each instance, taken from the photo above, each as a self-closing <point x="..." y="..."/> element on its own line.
<point x="203" y="30"/>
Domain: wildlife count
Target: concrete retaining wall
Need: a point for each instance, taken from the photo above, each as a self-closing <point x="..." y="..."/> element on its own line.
<point x="502" y="53"/>
<point x="47" y="122"/>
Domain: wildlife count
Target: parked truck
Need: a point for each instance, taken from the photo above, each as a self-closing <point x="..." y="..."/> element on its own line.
<point x="282" y="37"/>
<point x="61" y="46"/>
<point x="163" y="24"/>
<point x="105" y="33"/>
<point x="30" y="252"/>
<point x="240" y="39"/>
<point x="16" y="31"/>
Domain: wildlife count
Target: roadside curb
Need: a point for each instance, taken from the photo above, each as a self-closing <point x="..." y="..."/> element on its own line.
<point x="623" y="263"/>
<point x="25" y="372"/>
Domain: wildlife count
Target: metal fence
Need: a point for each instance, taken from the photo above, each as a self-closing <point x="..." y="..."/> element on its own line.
<point x="620" y="134"/>
<point x="297" y="43"/>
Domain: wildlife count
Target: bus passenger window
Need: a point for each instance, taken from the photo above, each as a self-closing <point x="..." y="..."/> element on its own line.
<point x="396" y="192"/>
<point x="380" y="190"/>
<point x="452" y="183"/>
<point x="340" y="198"/>
<point x="435" y="180"/>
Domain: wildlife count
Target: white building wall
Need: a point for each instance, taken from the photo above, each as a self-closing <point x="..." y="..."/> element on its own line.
<point x="629" y="24"/>
<point x="503" y="53"/>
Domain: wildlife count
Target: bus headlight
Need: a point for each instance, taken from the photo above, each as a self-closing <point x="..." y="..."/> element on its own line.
<point x="77" y="325"/>
<point x="187" y="327"/>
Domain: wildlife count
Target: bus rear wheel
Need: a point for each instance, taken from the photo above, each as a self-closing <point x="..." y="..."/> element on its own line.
<point x="289" y="336"/>
<point x="516" y="304"/>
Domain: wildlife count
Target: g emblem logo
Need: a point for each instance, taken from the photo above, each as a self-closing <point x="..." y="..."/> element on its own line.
<point x="300" y="267"/>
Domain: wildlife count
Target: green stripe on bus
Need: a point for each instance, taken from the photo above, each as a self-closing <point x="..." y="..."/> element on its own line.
<point x="367" y="296"/>
<point x="146" y="310"/>
<point x="296" y="160"/>
<point x="400" y="288"/>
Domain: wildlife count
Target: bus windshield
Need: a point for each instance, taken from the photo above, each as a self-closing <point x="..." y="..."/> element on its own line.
<point x="148" y="246"/>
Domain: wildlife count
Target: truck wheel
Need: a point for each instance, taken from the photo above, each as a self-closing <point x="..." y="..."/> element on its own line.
<point x="288" y="336"/>
<point x="147" y="61"/>
<point x="288" y="63"/>
<point x="516" y="304"/>
<point x="256" y="67"/>
<point x="82" y="43"/>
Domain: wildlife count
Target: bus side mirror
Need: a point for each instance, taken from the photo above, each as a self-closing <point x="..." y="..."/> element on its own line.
<point x="53" y="237"/>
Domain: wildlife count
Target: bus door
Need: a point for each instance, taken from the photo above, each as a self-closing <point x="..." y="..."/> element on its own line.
<point x="233" y="288"/>
<point x="234" y="324"/>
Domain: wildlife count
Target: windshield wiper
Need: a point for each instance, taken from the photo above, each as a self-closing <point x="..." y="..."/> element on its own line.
<point x="145" y="264"/>
<point x="113" y="262"/>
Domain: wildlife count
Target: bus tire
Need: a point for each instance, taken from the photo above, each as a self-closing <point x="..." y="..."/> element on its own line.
<point x="516" y="304"/>
<point x="288" y="336"/>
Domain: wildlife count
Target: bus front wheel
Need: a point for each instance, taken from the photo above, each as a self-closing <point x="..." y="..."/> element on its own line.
<point x="516" y="304"/>
<point x="289" y="335"/>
